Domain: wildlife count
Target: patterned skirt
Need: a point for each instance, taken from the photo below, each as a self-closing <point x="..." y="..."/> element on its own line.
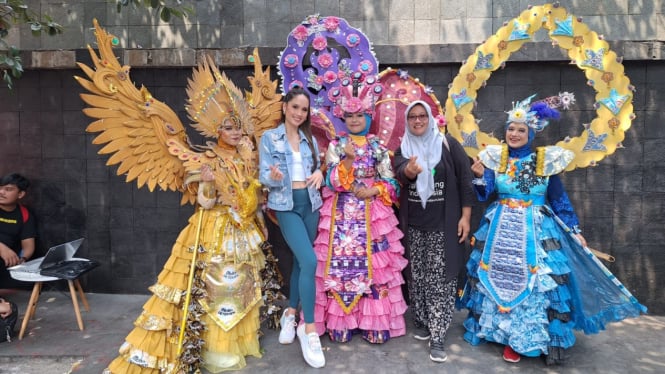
<point x="229" y="256"/>
<point x="358" y="277"/>
<point x="567" y="288"/>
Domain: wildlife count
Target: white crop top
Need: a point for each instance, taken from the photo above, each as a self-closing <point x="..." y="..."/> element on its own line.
<point x="298" y="169"/>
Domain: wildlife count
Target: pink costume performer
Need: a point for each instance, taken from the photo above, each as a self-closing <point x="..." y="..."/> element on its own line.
<point x="360" y="258"/>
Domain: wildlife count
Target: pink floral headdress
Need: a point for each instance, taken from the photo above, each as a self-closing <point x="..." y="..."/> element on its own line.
<point x="355" y="94"/>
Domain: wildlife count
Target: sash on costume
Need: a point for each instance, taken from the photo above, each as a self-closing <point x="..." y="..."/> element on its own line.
<point x="508" y="263"/>
<point x="348" y="271"/>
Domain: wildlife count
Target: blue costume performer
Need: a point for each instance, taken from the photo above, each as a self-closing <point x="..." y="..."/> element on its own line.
<point x="531" y="278"/>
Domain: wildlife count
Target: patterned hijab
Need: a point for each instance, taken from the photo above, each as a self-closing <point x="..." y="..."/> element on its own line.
<point x="428" y="149"/>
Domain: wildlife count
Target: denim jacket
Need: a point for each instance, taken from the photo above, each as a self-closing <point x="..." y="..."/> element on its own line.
<point x="275" y="149"/>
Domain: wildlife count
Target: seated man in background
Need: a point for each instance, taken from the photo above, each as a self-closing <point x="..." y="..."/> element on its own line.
<point x="17" y="226"/>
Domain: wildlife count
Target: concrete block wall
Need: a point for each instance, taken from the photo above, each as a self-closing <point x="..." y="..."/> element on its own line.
<point x="131" y="231"/>
<point x="441" y="31"/>
<point x="620" y="202"/>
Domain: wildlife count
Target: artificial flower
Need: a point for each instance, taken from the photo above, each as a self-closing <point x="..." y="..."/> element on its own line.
<point x="320" y="43"/>
<point x="332" y="283"/>
<point x="352" y="40"/>
<point x="440" y="120"/>
<point x="300" y="33"/>
<point x="353" y="105"/>
<point x="366" y="66"/>
<point x="325" y="60"/>
<point x="331" y="23"/>
<point x="290" y="60"/>
<point x="313" y="19"/>
<point x="329" y="76"/>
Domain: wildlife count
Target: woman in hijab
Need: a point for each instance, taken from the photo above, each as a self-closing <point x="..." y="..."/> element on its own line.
<point x="435" y="213"/>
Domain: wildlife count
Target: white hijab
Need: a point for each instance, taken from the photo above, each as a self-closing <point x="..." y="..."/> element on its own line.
<point x="427" y="148"/>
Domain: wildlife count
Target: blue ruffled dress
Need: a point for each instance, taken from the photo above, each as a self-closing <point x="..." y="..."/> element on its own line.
<point x="530" y="282"/>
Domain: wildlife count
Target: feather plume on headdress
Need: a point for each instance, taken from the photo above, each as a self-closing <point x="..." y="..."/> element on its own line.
<point x="537" y="115"/>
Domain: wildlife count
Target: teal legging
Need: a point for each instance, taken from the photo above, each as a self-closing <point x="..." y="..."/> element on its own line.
<point x="296" y="225"/>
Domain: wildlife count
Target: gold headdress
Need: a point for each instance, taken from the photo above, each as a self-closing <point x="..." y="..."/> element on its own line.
<point x="213" y="100"/>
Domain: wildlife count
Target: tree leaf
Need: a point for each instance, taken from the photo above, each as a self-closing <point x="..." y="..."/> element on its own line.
<point x="7" y="78"/>
<point x="165" y="15"/>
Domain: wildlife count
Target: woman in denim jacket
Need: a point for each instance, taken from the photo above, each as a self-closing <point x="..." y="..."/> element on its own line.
<point x="289" y="168"/>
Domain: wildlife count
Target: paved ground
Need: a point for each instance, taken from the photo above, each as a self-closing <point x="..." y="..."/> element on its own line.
<point x="53" y="344"/>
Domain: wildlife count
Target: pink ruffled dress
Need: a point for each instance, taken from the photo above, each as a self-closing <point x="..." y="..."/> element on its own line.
<point x="360" y="257"/>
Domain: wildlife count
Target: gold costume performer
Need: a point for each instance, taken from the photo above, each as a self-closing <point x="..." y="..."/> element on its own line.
<point x="227" y="290"/>
<point x="215" y="268"/>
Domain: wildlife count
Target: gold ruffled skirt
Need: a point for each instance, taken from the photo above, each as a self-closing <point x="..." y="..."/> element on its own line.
<point x="228" y="264"/>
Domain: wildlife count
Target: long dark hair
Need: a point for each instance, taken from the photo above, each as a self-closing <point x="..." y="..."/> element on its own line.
<point x="306" y="126"/>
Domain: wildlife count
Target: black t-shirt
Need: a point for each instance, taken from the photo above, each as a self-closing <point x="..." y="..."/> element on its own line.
<point x="13" y="229"/>
<point x="432" y="218"/>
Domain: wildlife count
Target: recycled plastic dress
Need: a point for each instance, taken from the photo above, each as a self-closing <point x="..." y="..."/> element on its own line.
<point x="360" y="257"/>
<point x="226" y="293"/>
<point x="530" y="281"/>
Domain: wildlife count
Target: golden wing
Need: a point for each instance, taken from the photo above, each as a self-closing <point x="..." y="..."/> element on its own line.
<point x="143" y="134"/>
<point x="264" y="101"/>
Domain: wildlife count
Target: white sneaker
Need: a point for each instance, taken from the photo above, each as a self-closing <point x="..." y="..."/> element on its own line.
<point x="288" y="332"/>
<point x="311" y="348"/>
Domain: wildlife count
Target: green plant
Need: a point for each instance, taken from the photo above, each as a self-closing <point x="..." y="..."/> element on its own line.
<point x="165" y="11"/>
<point x="10" y="63"/>
<point x="13" y="12"/>
<point x="17" y="12"/>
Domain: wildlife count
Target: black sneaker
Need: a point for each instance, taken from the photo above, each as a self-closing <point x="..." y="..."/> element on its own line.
<point x="437" y="353"/>
<point x="555" y="356"/>
<point x="421" y="333"/>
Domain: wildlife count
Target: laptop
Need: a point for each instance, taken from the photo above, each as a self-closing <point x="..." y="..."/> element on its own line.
<point x="56" y="255"/>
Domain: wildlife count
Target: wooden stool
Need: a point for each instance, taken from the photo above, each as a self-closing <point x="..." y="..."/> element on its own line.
<point x="74" y="288"/>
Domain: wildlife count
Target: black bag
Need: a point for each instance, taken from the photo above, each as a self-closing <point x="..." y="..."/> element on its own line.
<point x="69" y="270"/>
<point x="7" y="324"/>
